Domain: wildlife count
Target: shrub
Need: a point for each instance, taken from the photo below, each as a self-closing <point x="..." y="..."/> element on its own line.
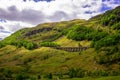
<point x="53" y="38"/>
<point x="109" y="55"/>
<point x="116" y="26"/>
<point x="2" y="76"/>
<point x="2" y="44"/>
<point x="100" y="73"/>
<point x="60" y="75"/>
<point x="76" y="72"/>
<point x="72" y="73"/>
<point x="30" y="45"/>
<point x="22" y="77"/>
<point x="85" y="33"/>
<point x="115" y="73"/>
<point x="39" y="77"/>
<point x="49" y="76"/>
<point x="109" y="40"/>
<point x="5" y="73"/>
<point x="78" y="32"/>
<point x="110" y="19"/>
<point x="27" y="44"/>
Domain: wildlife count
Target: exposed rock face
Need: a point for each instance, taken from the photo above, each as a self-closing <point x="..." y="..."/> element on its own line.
<point x="37" y="31"/>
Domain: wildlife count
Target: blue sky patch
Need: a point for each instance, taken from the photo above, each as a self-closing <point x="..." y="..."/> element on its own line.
<point x="105" y="8"/>
<point x="88" y="12"/>
<point x="113" y="2"/>
<point x="39" y="0"/>
<point x="5" y="31"/>
<point x="85" y="6"/>
<point x="116" y="2"/>
<point x="42" y="0"/>
<point x="3" y="20"/>
<point x="105" y="0"/>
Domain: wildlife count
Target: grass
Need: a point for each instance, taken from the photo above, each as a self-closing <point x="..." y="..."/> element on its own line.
<point x="90" y="78"/>
<point x="46" y="59"/>
<point x="63" y="41"/>
<point x="101" y="78"/>
<point x="57" y="28"/>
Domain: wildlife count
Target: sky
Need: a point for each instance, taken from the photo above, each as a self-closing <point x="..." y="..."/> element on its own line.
<point x="18" y="14"/>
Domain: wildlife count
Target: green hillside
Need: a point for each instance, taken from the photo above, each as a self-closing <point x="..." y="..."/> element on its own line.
<point x="28" y="54"/>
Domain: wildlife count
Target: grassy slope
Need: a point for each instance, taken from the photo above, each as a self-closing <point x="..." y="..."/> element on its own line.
<point x="44" y="59"/>
<point x="38" y="59"/>
<point x="102" y="78"/>
<point x="57" y="28"/>
<point x="63" y="41"/>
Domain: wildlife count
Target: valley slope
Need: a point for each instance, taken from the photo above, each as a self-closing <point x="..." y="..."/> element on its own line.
<point x="28" y="53"/>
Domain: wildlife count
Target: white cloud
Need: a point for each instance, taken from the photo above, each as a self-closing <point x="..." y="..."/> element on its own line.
<point x="3" y="35"/>
<point x="21" y="14"/>
<point x="13" y="26"/>
<point x="69" y="7"/>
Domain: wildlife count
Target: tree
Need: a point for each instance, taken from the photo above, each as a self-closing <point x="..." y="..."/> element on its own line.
<point x="2" y="44"/>
<point x="22" y="77"/>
